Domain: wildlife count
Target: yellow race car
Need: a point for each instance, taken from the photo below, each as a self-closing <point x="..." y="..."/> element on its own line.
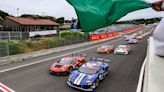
<point x="105" y="49"/>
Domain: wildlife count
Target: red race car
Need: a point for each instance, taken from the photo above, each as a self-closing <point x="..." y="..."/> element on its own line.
<point x="66" y="65"/>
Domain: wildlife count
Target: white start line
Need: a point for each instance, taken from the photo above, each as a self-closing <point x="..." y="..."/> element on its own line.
<point x="4" y="88"/>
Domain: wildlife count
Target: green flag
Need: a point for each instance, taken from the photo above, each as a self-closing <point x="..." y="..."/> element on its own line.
<point x="95" y="14"/>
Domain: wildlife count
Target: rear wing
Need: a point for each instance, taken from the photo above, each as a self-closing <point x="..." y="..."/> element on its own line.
<point x="100" y="59"/>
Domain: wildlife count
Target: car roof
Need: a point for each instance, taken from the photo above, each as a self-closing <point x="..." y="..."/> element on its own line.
<point x="92" y="65"/>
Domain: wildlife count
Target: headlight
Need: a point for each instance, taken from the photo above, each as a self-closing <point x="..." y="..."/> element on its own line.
<point x="89" y="82"/>
<point x="89" y="77"/>
<point x="63" y="69"/>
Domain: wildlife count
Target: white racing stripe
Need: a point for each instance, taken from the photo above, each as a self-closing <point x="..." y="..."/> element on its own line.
<point x="80" y="79"/>
<point x="75" y="82"/>
<point x="6" y="70"/>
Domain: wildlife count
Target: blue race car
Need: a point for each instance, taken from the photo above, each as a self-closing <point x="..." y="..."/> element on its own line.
<point x="87" y="77"/>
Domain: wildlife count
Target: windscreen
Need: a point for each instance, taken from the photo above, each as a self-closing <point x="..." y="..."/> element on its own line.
<point x="89" y="69"/>
<point x="65" y="61"/>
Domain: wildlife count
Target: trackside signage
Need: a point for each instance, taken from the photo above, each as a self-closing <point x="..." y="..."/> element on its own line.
<point x="113" y="34"/>
<point x="4" y="88"/>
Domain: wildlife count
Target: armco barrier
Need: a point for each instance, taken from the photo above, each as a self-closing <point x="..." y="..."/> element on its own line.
<point x="20" y="57"/>
<point x="113" y="34"/>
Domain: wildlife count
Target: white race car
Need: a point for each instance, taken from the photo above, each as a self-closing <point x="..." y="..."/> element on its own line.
<point x="133" y="41"/>
<point x="122" y="49"/>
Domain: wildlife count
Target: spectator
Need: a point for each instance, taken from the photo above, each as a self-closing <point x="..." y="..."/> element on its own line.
<point x="159" y="31"/>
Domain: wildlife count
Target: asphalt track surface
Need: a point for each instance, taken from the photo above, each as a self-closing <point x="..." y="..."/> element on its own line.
<point x="123" y="76"/>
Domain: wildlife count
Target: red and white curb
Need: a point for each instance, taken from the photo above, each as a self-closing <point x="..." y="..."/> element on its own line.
<point x="4" y="88"/>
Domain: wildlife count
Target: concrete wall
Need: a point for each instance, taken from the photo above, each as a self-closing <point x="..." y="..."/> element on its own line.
<point x="152" y="75"/>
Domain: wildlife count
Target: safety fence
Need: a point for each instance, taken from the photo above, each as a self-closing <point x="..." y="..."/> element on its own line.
<point x="12" y="47"/>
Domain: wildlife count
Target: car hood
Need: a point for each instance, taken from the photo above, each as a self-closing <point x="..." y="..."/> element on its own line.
<point x="102" y="49"/>
<point x="59" y="66"/>
<point x="82" y="78"/>
<point x="120" y="50"/>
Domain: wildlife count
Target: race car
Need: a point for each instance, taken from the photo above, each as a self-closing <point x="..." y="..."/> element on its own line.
<point x="139" y="37"/>
<point x="66" y="65"/>
<point x="133" y="41"/>
<point x="88" y="76"/>
<point x="128" y="38"/>
<point x="122" y="49"/>
<point x="105" y="49"/>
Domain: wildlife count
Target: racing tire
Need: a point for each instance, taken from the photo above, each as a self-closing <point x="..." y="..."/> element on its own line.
<point x="107" y="73"/>
<point x="101" y="77"/>
<point x="97" y="83"/>
<point x="50" y="72"/>
<point x="70" y="70"/>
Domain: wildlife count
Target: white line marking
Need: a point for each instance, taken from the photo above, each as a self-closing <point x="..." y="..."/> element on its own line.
<point x="5" y="70"/>
<point x="4" y="88"/>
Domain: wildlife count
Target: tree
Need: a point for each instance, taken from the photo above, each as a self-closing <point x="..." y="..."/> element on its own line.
<point x="60" y="20"/>
<point x="38" y="17"/>
<point x="27" y="16"/>
<point x="3" y="14"/>
<point x="49" y="17"/>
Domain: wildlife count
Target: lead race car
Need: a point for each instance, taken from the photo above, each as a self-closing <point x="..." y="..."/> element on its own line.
<point x="88" y="76"/>
<point x="122" y="49"/>
<point x="66" y="65"/>
<point x="133" y="41"/>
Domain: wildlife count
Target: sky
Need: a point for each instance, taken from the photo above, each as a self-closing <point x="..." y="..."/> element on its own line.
<point x="60" y="8"/>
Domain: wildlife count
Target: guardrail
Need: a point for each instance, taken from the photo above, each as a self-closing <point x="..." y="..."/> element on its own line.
<point x="20" y="57"/>
<point x="151" y="75"/>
